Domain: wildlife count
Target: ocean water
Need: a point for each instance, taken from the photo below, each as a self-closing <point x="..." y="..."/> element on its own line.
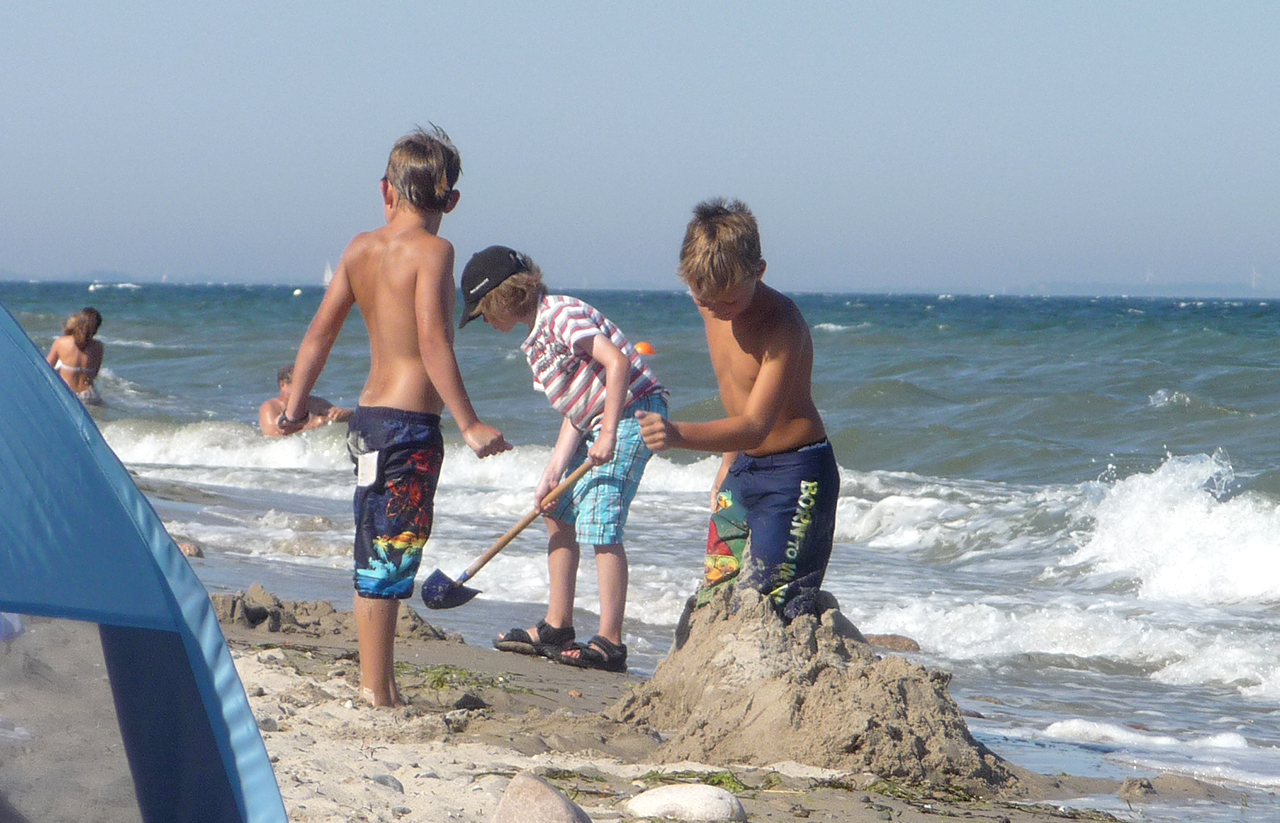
<point x="1071" y="504"/>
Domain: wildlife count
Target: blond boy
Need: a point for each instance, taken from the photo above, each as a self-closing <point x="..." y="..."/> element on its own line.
<point x="401" y="277"/>
<point x="774" y="499"/>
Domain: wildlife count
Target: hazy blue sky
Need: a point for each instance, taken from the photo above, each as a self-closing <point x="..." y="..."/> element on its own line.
<point x="883" y="146"/>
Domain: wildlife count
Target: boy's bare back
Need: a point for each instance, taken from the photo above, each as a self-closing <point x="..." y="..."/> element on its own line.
<point x="402" y="281"/>
<point x="763" y="360"/>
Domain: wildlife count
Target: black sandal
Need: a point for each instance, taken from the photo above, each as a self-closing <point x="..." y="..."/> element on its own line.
<point x="551" y="641"/>
<point x="597" y="653"/>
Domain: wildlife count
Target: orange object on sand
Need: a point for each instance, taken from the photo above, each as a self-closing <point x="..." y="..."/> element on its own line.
<point x="644" y="348"/>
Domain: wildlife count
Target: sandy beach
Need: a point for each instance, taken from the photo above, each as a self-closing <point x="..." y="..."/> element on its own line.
<point x="476" y="718"/>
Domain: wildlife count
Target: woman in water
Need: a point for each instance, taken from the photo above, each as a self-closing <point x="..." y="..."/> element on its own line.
<point x="77" y="356"/>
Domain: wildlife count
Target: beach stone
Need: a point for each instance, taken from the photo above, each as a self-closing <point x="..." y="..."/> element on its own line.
<point x="687" y="801"/>
<point x="469" y="701"/>
<point x="893" y="642"/>
<point x="190" y="549"/>
<point x="389" y="781"/>
<point x="1137" y="789"/>
<point x="456" y="720"/>
<point x="747" y="688"/>
<point x="530" y="799"/>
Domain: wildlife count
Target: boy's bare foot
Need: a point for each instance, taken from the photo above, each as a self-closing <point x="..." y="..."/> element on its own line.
<point x="394" y="702"/>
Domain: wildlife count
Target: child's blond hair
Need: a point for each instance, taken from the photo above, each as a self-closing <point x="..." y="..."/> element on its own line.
<point x="721" y="247"/>
<point x="423" y="168"/>
<point x="517" y="296"/>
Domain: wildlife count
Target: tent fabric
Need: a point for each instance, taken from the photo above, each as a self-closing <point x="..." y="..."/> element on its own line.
<point x="79" y="541"/>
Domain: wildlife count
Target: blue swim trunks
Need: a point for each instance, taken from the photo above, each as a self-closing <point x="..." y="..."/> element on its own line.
<point x="598" y="504"/>
<point x="398" y="456"/>
<point x="773" y="526"/>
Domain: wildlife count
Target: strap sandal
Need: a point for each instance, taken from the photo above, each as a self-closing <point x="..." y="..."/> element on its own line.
<point x="550" y="640"/>
<point x="597" y="653"/>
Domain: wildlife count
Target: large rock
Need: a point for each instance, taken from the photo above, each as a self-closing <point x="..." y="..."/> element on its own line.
<point x="743" y="687"/>
<point x="530" y="799"/>
<point x="690" y="802"/>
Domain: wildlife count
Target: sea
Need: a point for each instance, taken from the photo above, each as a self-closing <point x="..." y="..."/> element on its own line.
<point x="1072" y="504"/>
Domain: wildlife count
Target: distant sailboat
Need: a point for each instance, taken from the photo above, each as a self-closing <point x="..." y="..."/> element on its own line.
<point x="328" y="272"/>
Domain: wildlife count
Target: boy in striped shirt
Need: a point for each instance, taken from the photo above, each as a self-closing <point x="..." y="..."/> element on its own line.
<point x="593" y="376"/>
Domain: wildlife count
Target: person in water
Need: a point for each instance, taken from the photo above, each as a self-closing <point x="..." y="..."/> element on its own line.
<point x="77" y="356"/>
<point x="320" y="412"/>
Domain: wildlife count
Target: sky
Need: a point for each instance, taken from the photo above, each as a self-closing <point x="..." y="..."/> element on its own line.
<point x="1062" y="147"/>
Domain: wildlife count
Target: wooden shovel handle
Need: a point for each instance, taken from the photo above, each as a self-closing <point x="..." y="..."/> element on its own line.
<point x="551" y="497"/>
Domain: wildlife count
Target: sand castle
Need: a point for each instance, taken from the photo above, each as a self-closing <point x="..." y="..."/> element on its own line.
<point x="741" y="687"/>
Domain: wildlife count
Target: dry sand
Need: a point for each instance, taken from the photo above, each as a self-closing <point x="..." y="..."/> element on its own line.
<point x="477" y="717"/>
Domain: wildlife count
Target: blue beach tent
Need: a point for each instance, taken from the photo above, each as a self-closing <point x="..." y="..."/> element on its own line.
<point x="79" y="541"/>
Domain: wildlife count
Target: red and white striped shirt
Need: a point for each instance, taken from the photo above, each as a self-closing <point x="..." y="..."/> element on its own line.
<point x="558" y="349"/>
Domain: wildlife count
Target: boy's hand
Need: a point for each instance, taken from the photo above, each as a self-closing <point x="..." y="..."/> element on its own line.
<point x="658" y="432"/>
<point x="287" y="425"/>
<point x="545" y="485"/>
<point x="601" y="451"/>
<point x="485" y="440"/>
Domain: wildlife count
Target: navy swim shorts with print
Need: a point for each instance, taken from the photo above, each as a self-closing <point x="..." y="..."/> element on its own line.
<point x="773" y="525"/>
<point x="397" y="455"/>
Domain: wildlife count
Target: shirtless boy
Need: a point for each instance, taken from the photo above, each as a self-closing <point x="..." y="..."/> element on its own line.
<point x="774" y="500"/>
<point x="401" y="276"/>
<point x="320" y="412"/>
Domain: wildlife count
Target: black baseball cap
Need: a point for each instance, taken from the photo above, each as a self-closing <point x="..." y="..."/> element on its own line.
<point x="485" y="271"/>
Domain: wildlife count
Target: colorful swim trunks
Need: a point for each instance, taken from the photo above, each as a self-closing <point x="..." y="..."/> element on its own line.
<point x="774" y="522"/>
<point x="397" y="455"/>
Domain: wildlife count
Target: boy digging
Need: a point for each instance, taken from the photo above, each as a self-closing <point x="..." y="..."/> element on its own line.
<point x="401" y="276"/>
<point x="774" y="500"/>
<point x="593" y="376"/>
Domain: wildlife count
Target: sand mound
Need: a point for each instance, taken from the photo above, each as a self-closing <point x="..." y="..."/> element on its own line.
<point x="745" y="688"/>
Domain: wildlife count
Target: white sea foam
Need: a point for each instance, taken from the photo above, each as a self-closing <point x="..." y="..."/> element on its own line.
<point x="222" y="444"/>
<point x="1169" y="532"/>
<point x="124" y="286"/>
<point x="1165" y="397"/>
<point x="959" y="630"/>
<point x="1094" y="732"/>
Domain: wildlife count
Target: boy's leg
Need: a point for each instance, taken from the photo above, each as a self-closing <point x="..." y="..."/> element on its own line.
<point x="563" y="556"/>
<point x="376" y="637"/>
<point x="398" y="455"/>
<point x="791" y="507"/>
<point x="611" y="572"/>
<point x="728" y="535"/>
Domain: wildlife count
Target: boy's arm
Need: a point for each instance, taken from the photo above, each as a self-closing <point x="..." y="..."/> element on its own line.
<point x="740" y="432"/>
<point x="617" y="377"/>
<point x="315" y="348"/>
<point x="434" y="300"/>
<point x="566" y="443"/>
